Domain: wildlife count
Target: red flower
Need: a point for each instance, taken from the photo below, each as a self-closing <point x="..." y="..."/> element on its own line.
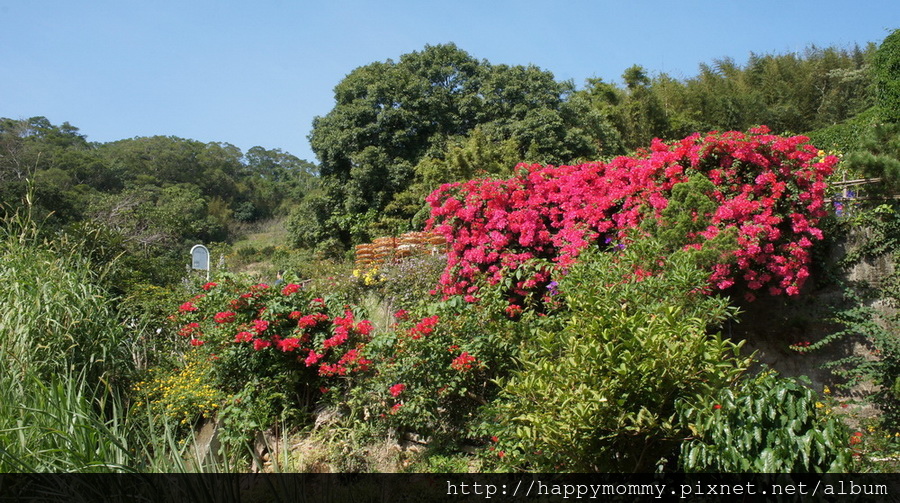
<point x="187" y="307"/>
<point x="243" y="337"/>
<point x="717" y="407"/>
<point x="289" y="344"/>
<point x="463" y="362"/>
<point x="513" y="310"/>
<point x="224" y="317"/>
<point x="401" y="315"/>
<point x="311" y="320"/>
<point x="197" y="342"/>
<point x="209" y="285"/>
<point x="554" y="212"/>
<point x="364" y="327"/>
<point x="190" y="329"/>
<point x="396" y="389"/>
<point x="337" y="339"/>
<point x="290" y="288"/>
<point x="312" y="358"/>
<point x="259" y="344"/>
<point x="424" y="327"/>
<point x="260" y="326"/>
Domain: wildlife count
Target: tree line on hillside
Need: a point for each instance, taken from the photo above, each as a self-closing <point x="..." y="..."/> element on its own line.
<point x="143" y="198"/>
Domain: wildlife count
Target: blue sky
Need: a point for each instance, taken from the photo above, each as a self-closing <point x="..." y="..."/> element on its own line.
<point x="257" y="72"/>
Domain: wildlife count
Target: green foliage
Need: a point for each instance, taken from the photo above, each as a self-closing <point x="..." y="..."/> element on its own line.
<point x="874" y="234"/>
<point x="787" y="92"/>
<point x="477" y="155"/>
<point x="180" y="393"/>
<point x="765" y="425"/>
<point x="845" y="136"/>
<point x="437" y="367"/>
<point x="66" y="363"/>
<point x="886" y="69"/>
<point x="599" y="393"/>
<point x="55" y="317"/>
<point x="391" y="118"/>
<point x="878" y="156"/>
<point x="62" y="423"/>
<point x="683" y="218"/>
<point x="143" y="198"/>
<point x="407" y="284"/>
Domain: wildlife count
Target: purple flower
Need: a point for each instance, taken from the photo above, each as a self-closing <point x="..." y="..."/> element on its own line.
<point x="552" y="287"/>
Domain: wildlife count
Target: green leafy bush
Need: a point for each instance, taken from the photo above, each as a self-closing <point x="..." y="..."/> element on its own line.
<point x="599" y="394"/>
<point x="766" y="425"/>
<point x="437" y="367"/>
<point x="886" y="70"/>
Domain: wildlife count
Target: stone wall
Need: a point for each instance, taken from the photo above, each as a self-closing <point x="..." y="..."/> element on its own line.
<point x="770" y="325"/>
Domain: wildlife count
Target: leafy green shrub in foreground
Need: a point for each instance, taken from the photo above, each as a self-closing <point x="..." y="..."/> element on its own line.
<point x="436" y="368"/>
<point x="767" y="425"/>
<point x="600" y="394"/>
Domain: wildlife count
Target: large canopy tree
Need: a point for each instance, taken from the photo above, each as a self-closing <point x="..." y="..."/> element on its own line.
<point x="390" y="116"/>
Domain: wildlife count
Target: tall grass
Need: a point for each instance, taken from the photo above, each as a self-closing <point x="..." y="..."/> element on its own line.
<point x="54" y="318"/>
<point x="66" y="366"/>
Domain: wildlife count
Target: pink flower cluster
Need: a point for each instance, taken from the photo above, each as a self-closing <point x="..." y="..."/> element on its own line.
<point x="769" y="188"/>
<point x="424" y="327"/>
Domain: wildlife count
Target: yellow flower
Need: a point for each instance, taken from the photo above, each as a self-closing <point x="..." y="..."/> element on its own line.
<point x="819" y="405"/>
<point x="827" y="390"/>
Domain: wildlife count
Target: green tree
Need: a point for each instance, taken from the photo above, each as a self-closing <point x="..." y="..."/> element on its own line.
<point x="473" y="156"/>
<point x="58" y="159"/>
<point x="390" y="116"/>
<point x="886" y="64"/>
<point x="879" y="155"/>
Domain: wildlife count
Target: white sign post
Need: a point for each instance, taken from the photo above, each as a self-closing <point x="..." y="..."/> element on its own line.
<point x="200" y="259"/>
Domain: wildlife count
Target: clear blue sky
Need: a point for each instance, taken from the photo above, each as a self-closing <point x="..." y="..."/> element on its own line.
<point x="257" y="72"/>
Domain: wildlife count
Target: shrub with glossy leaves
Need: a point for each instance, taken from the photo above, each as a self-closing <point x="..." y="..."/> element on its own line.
<point x="767" y="424"/>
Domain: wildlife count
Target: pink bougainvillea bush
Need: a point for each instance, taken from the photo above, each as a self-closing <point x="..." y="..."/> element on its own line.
<point x="768" y="190"/>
